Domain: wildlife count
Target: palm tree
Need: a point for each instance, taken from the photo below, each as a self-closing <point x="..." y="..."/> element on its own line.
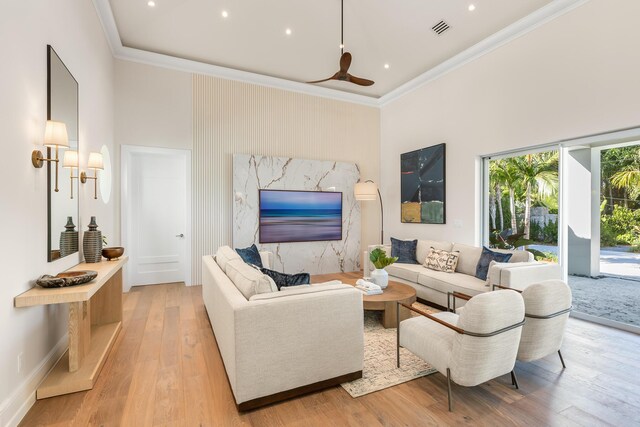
<point x="537" y="173"/>
<point x="628" y="178"/>
<point x="503" y="174"/>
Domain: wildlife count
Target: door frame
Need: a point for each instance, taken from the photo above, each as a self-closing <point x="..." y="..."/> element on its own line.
<point x="126" y="156"/>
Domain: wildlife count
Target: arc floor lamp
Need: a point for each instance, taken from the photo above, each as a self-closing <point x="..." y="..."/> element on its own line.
<point x="367" y="191"/>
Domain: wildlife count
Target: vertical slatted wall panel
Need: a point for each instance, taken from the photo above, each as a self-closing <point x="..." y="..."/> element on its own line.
<point x="234" y="117"/>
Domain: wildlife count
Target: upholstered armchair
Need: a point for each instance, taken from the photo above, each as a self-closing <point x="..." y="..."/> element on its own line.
<point x="471" y="348"/>
<point x="547" y="308"/>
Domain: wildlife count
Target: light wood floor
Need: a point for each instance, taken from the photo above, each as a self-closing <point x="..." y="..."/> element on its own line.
<point x="165" y="369"/>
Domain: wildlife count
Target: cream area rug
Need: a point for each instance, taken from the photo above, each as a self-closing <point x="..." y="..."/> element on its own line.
<point x="380" y="370"/>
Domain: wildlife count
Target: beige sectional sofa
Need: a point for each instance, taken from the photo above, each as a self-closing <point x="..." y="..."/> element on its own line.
<point x="277" y="344"/>
<point x="433" y="286"/>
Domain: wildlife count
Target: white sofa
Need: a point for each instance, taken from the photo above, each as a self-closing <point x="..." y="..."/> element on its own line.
<point x="434" y="286"/>
<point x="276" y="345"/>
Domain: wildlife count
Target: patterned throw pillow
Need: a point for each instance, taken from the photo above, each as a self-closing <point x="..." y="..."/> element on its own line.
<point x="405" y="250"/>
<point x="482" y="269"/>
<point x="250" y="255"/>
<point x="283" y="280"/>
<point x="440" y="260"/>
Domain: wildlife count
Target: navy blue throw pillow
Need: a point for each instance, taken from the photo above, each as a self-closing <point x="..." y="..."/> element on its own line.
<point x="482" y="269"/>
<point x="405" y="250"/>
<point x="250" y="255"/>
<point x="283" y="280"/>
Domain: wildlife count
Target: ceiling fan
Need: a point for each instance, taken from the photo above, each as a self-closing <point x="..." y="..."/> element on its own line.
<point x="345" y="60"/>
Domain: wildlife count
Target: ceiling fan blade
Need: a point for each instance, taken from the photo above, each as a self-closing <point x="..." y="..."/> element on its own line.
<point x="334" y="77"/>
<point x="359" y="81"/>
<point x="345" y="62"/>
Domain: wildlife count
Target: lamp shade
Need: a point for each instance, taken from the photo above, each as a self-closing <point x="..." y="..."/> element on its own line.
<point x="95" y="161"/>
<point x="365" y="191"/>
<point x="55" y="134"/>
<point x="70" y="159"/>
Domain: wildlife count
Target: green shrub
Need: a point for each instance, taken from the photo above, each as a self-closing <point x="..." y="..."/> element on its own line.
<point x="621" y="227"/>
<point x="550" y="232"/>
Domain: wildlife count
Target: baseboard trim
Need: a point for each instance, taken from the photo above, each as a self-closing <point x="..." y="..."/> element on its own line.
<point x="298" y="391"/>
<point x="16" y="406"/>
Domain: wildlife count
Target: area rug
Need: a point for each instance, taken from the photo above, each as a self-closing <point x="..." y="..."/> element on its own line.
<point x="380" y="370"/>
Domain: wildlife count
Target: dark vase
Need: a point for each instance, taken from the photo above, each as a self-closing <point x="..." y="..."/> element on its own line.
<point x="92" y="243"/>
<point x="69" y="239"/>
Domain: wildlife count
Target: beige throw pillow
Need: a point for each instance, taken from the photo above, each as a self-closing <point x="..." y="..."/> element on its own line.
<point x="440" y="260"/>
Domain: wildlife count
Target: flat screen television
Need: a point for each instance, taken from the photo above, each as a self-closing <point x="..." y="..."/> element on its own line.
<point x="300" y="216"/>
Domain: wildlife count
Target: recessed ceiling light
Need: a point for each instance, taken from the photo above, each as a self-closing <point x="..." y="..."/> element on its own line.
<point x="151" y="3"/>
<point x="472" y="7"/>
<point x="225" y="14"/>
<point x="288" y="31"/>
<point x="386" y="66"/>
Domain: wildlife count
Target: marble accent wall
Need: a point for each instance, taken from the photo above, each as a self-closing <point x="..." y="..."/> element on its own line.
<point x="252" y="172"/>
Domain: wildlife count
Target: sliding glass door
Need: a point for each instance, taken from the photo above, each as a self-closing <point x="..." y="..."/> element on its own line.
<point x="522" y="202"/>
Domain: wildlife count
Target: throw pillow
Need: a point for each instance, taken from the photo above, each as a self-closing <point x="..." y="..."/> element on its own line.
<point x="440" y="260"/>
<point x="485" y="259"/>
<point x="283" y="280"/>
<point x="250" y="255"/>
<point x="405" y="250"/>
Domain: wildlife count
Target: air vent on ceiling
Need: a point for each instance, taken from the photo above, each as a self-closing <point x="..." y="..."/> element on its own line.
<point x="440" y="27"/>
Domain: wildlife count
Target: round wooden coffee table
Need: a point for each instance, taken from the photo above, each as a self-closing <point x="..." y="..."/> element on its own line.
<point x="387" y="303"/>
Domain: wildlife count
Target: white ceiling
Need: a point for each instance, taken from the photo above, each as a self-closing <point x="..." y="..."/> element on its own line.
<point x="376" y="32"/>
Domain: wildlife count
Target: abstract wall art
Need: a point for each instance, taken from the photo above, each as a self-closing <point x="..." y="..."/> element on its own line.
<point x="422" y="185"/>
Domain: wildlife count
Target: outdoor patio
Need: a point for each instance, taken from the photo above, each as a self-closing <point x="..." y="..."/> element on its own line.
<point x="615" y="295"/>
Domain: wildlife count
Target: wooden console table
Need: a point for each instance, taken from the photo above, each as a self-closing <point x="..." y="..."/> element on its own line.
<point x="95" y="318"/>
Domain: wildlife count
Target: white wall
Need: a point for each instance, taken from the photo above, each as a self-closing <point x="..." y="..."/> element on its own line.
<point x="216" y="118"/>
<point x="26" y="27"/>
<point x="576" y="75"/>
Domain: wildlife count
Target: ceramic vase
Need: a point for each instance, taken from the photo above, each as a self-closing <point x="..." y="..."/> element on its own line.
<point x="69" y="239"/>
<point x="380" y="277"/>
<point x="92" y="243"/>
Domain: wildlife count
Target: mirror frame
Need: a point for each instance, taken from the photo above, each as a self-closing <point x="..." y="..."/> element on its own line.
<point x="50" y="171"/>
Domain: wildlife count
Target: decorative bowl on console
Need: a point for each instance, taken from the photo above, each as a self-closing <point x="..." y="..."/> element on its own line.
<point x="67" y="278"/>
<point x="113" y="253"/>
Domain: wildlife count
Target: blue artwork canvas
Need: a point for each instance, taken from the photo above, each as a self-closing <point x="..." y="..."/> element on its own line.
<point x="422" y="185"/>
<point x="300" y="216"/>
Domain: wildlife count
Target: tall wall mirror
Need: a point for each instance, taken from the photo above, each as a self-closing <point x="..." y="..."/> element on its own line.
<point x="62" y="106"/>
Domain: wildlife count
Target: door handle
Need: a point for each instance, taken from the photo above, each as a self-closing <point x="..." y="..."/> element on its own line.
<point x="180" y="235"/>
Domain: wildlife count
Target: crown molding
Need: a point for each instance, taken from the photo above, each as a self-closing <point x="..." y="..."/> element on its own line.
<point x="519" y="28"/>
<point x="529" y="23"/>
<point x="119" y="51"/>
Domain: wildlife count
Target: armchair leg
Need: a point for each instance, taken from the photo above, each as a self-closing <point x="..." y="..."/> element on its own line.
<point x="514" y="380"/>
<point x="561" y="360"/>
<point x="449" y="396"/>
<point x="398" y="335"/>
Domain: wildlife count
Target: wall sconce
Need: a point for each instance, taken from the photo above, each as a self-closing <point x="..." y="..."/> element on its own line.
<point x="95" y="163"/>
<point x="55" y="136"/>
<point x="70" y="161"/>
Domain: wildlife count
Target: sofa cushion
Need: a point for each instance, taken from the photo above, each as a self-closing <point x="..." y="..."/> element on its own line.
<point x="302" y="290"/>
<point x="447" y="282"/>
<point x="283" y="279"/>
<point x="485" y="259"/>
<point x="250" y="255"/>
<point x="405" y="250"/>
<point x="439" y="260"/>
<point x="224" y="255"/>
<point x="518" y="255"/>
<point x="468" y="260"/>
<point x="405" y="271"/>
<point x="248" y="280"/>
<point x="424" y="246"/>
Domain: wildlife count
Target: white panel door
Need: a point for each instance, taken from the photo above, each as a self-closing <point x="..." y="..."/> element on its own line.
<point x="157" y="200"/>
